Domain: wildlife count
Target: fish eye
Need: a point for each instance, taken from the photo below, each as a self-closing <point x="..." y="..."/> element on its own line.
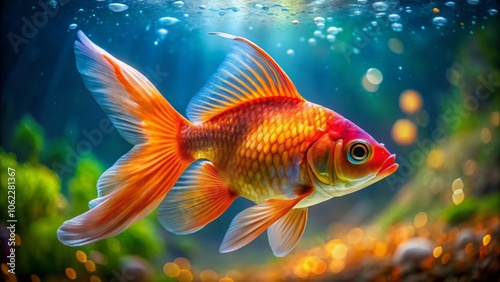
<point x="358" y="151"/>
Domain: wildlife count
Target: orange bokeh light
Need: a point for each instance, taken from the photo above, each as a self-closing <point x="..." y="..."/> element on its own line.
<point x="410" y="101"/>
<point x="404" y="132"/>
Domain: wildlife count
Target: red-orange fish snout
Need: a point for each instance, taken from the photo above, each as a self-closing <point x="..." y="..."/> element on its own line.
<point x="389" y="166"/>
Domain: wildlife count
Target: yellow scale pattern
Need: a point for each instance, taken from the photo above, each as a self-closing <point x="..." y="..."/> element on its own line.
<point x="257" y="146"/>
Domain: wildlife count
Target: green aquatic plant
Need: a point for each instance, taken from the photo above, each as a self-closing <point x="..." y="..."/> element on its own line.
<point x="28" y="139"/>
<point x="41" y="209"/>
<point x="472" y="207"/>
<point x="37" y="190"/>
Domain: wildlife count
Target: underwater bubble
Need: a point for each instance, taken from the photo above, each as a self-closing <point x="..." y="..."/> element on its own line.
<point x="473" y="2"/>
<point x="318" y="33"/>
<point x="439" y="21"/>
<point x="258" y="6"/>
<point x="380" y="6"/>
<point x="492" y="12"/>
<point x="374" y="76"/>
<point x="330" y="37"/>
<point x="290" y="52"/>
<point x="312" y="41"/>
<point x="202" y="7"/>
<point x="319" y="20"/>
<point x="362" y="1"/>
<point x="450" y="4"/>
<point x="295" y="22"/>
<point x="333" y="30"/>
<point x="162" y="33"/>
<point x="168" y="20"/>
<point x="222" y="13"/>
<point x="394" y="17"/>
<point x="178" y="4"/>
<point x="379" y="15"/>
<point x="357" y="13"/>
<point x="374" y="23"/>
<point x="117" y="7"/>
<point x="73" y="26"/>
<point x="397" y="27"/>
<point x="320" y="25"/>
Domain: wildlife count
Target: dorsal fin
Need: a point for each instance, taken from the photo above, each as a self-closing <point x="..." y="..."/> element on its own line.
<point x="247" y="73"/>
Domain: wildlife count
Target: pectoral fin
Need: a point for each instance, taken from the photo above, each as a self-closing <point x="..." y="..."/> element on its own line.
<point x="250" y="223"/>
<point x="285" y="233"/>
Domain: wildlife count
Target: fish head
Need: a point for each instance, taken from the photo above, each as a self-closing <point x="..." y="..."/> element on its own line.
<point x="344" y="161"/>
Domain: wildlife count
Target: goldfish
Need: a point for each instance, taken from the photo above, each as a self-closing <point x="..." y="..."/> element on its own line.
<point x="248" y="133"/>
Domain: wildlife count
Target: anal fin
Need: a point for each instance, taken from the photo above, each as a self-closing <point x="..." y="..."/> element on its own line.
<point x="250" y="223"/>
<point x="285" y="233"/>
<point x="199" y="197"/>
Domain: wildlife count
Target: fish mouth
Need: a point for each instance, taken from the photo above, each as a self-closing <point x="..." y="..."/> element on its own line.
<point x="388" y="167"/>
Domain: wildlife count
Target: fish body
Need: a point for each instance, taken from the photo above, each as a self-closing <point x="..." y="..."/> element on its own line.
<point x="260" y="146"/>
<point x="248" y="133"/>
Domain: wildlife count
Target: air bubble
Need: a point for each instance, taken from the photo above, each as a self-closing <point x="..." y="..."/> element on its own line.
<point x="374" y="76"/>
<point x="319" y="20"/>
<point x="178" y="4"/>
<point x="380" y="6"/>
<point x="168" y="21"/>
<point x="394" y="17"/>
<point x="397" y="27"/>
<point x="439" y="21"/>
<point x="473" y="2"/>
<point x="117" y="7"/>
<point x="333" y="30"/>
<point x="162" y="33"/>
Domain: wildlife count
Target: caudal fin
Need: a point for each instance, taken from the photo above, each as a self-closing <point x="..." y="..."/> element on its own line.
<point x="140" y="179"/>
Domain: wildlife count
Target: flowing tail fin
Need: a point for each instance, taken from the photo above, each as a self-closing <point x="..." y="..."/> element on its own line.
<point x="140" y="179"/>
